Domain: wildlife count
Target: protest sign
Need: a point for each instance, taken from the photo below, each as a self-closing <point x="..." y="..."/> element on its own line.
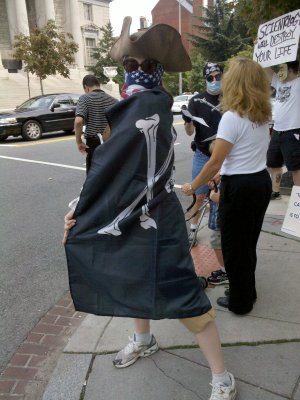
<point x="197" y="119"/>
<point x="291" y="223"/>
<point x="277" y="40"/>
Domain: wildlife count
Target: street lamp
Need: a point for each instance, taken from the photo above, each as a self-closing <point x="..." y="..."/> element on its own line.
<point x="179" y="29"/>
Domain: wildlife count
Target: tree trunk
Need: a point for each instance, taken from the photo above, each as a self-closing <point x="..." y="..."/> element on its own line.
<point x="41" y="83"/>
<point x="28" y="85"/>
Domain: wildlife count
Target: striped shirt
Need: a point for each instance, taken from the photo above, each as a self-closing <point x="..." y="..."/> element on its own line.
<point x="91" y="107"/>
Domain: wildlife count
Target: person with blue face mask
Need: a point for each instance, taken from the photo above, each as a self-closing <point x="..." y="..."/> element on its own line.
<point x="206" y="106"/>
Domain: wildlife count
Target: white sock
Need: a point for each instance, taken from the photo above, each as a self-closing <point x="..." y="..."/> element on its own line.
<point x="144" y="338"/>
<point x="224" y="379"/>
<point x="193" y="227"/>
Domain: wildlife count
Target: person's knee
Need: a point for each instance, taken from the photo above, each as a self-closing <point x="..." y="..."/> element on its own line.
<point x="197" y="324"/>
<point x="296" y="177"/>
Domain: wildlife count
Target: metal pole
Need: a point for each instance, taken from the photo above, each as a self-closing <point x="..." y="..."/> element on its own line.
<point x="179" y="25"/>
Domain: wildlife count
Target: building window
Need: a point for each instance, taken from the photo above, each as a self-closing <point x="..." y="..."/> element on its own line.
<point x="90" y="45"/>
<point x="88" y="12"/>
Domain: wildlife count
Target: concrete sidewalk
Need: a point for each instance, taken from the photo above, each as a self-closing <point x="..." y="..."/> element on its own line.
<point x="261" y="349"/>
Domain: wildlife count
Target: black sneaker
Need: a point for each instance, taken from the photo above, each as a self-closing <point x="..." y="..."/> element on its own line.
<point x="275" y="196"/>
<point x="218" y="277"/>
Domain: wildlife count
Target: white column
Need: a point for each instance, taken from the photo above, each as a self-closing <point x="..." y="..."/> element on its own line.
<point x="44" y="11"/>
<point x="73" y="16"/>
<point x="49" y="10"/>
<point x="3" y="71"/>
<point x="17" y="17"/>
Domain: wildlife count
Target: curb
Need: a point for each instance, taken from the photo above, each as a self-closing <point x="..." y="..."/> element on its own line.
<point x="29" y="370"/>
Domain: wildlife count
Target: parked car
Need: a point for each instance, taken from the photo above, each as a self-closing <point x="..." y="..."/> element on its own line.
<point x="48" y="113"/>
<point x="179" y="101"/>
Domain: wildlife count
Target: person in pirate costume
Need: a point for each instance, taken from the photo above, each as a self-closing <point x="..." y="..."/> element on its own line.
<point x="126" y="242"/>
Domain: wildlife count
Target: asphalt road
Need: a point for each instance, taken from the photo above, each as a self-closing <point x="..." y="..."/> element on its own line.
<point x="37" y="180"/>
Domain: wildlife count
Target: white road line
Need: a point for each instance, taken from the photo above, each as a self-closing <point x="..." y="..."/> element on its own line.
<point x="54" y="165"/>
<point x="43" y="162"/>
<point x="8" y="145"/>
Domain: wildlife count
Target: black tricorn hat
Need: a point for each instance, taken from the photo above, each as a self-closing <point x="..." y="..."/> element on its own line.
<point x="161" y="42"/>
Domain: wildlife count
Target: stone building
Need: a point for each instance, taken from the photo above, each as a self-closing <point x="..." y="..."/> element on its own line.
<point x="81" y="18"/>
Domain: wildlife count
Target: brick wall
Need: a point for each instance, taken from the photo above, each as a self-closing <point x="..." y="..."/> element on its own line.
<point x="167" y="12"/>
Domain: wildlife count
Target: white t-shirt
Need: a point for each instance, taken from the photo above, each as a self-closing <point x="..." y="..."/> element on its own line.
<point x="287" y="104"/>
<point x="250" y="144"/>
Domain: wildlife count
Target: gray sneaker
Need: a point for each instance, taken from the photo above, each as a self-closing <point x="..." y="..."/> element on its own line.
<point x="193" y="238"/>
<point x="133" y="351"/>
<point x="220" y="392"/>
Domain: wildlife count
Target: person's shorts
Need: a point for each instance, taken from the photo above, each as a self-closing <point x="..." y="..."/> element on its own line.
<point x="215" y="239"/>
<point x="284" y="148"/>
<point x="199" y="160"/>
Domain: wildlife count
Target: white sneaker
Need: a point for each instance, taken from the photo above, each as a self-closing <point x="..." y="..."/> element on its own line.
<point x="220" y="392"/>
<point x="133" y="351"/>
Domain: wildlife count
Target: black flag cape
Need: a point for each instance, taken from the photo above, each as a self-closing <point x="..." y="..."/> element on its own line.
<point x="128" y="253"/>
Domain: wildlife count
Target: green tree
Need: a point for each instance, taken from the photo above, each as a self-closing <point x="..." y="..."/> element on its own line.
<point x="46" y="51"/>
<point x="255" y="12"/>
<point x="196" y="82"/>
<point x="102" y="57"/>
<point x="221" y="33"/>
<point x="247" y="53"/>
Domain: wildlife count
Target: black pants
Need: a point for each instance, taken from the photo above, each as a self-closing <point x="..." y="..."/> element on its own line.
<point x="92" y="143"/>
<point x="243" y="203"/>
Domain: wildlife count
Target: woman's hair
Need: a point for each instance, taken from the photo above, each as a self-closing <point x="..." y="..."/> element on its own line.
<point x="246" y="90"/>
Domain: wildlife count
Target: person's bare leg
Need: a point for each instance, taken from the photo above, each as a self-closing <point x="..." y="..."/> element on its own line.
<point x="296" y="177"/>
<point x="199" y="201"/>
<point x="276" y="175"/>
<point x="141" y="325"/>
<point x="143" y="344"/>
<point x="219" y="255"/>
<point x="210" y="344"/>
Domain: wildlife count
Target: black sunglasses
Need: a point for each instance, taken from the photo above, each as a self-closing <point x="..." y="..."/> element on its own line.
<point x="148" y="66"/>
<point x="211" y="78"/>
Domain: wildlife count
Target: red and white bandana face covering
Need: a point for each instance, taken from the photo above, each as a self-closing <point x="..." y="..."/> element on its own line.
<point x="137" y="81"/>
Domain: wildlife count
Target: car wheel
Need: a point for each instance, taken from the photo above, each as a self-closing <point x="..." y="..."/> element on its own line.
<point x="32" y="130"/>
<point x="68" y="131"/>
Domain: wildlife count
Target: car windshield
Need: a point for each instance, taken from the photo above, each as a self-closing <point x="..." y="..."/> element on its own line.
<point x="180" y="98"/>
<point x="37" y="102"/>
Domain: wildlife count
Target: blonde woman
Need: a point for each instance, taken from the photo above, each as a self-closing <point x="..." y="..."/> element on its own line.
<point x="240" y="152"/>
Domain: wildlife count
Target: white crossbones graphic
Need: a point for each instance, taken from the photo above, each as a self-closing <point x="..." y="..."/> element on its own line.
<point x="149" y="128"/>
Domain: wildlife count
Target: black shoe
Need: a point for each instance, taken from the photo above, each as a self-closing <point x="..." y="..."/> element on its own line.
<point x="218" y="277"/>
<point x="223" y="302"/>
<point x="227" y="294"/>
<point x="203" y="281"/>
<point x="275" y="196"/>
